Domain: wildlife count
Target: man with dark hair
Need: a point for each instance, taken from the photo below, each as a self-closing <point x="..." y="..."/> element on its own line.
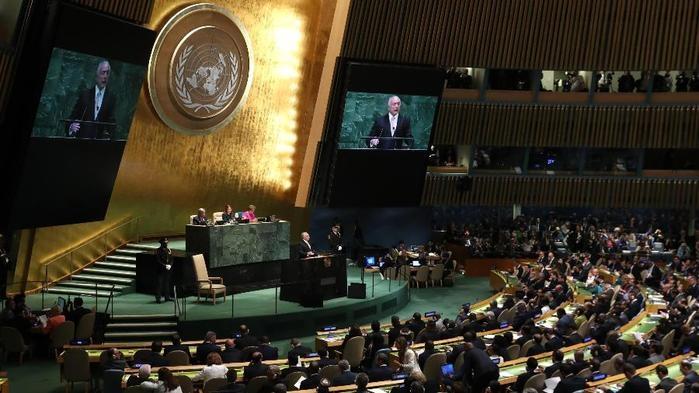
<point x="570" y="381"/>
<point x="478" y="369"/>
<point x="255" y="368"/>
<point x="429" y="351"/>
<point x="557" y="358"/>
<point x="154" y="358"/>
<point x="346" y="376"/>
<point x="294" y="365"/>
<point x="394" y="332"/>
<point x="381" y="371"/>
<point x="163" y="258"/>
<point x="666" y="383"/>
<point x="232" y="386"/>
<point x="313" y="377"/>
<point x="246" y="338"/>
<point x="267" y="350"/>
<point x="298" y="348"/>
<point x="374" y="340"/>
<point x="416" y="324"/>
<point x="553" y="342"/>
<point x="429" y="333"/>
<point x="531" y="370"/>
<point x="209" y="345"/>
<point x="230" y="353"/>
<point x="635" y="383"/>
<point x="690" y="376"/>
<point x="639" y="357"/>
<point x="537" y="348"/>
<point x="75" y="311"/>
<point x="323" y="358"/>
<point x="361" y="381"/>
<point x="177" y="346"/>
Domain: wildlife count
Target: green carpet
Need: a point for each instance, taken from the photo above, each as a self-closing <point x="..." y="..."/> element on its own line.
<point x="42" y="375"/>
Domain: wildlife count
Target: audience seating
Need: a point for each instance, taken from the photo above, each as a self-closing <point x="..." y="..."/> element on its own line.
<point x="254" y="385"/>
<point x="422" y="276"/>
<point x="86" y="327"/>
<point x="354" y="351"/>
<point x="77" y="368"/>
<point x="292" y="378"/>
<point x="433" y="366"/>
<point x="214" y="384"/>
<point x="536" y="382"/>
<point x="61" y="336"/>
<point x="206" y="285"/>
<point x="13" y="342"/>
<point x="330" y="372"/>
<point x="437" y="274"/>
<point x="679" y="388"/>
<point x="177" y="358"/>
<point x="111" y="381"/>
<point x="185" y="383"/>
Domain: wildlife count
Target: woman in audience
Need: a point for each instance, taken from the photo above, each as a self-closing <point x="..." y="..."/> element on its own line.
<point x="406" y="356"/>
<point x="214" y="368"/>
<point x="55" y="320"/>
<point x="169" y="382"/>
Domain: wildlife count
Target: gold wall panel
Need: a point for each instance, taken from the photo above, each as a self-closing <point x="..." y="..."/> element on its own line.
<point x="165" y="176"/>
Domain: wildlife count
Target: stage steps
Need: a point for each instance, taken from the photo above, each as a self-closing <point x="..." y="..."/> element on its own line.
<point x="125" y="328"/>
<point x="118" y="269"/>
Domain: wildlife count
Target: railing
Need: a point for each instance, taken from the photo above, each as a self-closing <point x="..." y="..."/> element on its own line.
<point x="91" y="250"/>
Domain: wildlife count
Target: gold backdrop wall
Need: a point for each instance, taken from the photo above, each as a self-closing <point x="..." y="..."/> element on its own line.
<point x="165" y="176"/>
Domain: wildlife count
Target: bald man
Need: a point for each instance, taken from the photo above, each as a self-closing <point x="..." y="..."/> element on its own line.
<point x="305" y="248"/>
<point x="392" y="130"/>
<point x="96" y="104"/>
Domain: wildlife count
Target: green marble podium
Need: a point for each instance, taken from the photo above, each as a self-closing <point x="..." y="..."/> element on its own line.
<point x="231" y="245"/>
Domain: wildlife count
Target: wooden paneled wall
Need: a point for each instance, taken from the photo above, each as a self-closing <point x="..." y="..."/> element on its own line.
<point x="137" y="11"/>
<point x="563" y="192"/>
<point x="565" y="125"/>
<point x="527" y="34"/>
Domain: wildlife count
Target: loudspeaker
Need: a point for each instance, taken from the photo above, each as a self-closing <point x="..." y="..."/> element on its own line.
<point x="356" y="291"/>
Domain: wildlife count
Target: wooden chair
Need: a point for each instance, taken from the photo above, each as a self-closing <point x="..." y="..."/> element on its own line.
<point x="354" y="351"/>
<point x="76" y="368"/>
<point x="525" y="348"/>
<point x="177" y="358"/>
<point x="536" y="382"/>
<point x="254" y="385"/>
<point x="61" y="336"/>
<point x="205" y="284"/>
<point x="86" y="327"/>
<point x="185" y="383"/>
<point x="404" y="273"/>
<point x="433" y="367"/>
<point x="437" y="274"/>
<point x="585" y="373"/>
<point x="330" y="372"/>
<point x="679" y="388"/>
<point x="667" y="342"/>
<point x="422" y="276"/>
<point x="214" y="384"/>
<point x="292" y="378"/>
<point x="13" y="342"/>
<point x="513" y="351"/>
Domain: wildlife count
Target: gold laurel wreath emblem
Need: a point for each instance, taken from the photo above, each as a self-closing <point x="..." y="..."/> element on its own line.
<point x="183" y="93"/>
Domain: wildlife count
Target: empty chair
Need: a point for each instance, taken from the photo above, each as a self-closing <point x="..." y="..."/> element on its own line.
<point x="177" y="358"/>
<point x="536" y="382"/>
<point x="679" y="388"/>
<point x="214" y="384"/>
<point x="422" y="276"/>
<point x="111" y="381"/>
<point x="208" y="286"/>
<point x="86" y="327"/>
<point x="433" y="366"/>
<point x="292" y="378"/>
<point x="185" y="383"/>
<point x="513" y="351"/>
<point x="76" y="368"/>
<point x="61" y="336"/>
<point x="437" y="275"/>
<point x="607" y="367"/>
<point x="330" y="372"/>
<point x="13" y="342"/>
<point x="254" y="385"/>
<point x="141" y="356"/>
<point x="667" y="342"/>
<point x="354" y="351"/>
<point x="404" y="273"/>
<point x="584" y="329"/>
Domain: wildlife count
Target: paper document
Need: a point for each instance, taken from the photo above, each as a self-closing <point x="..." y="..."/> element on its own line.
<point x="297" y="385"/>
<point x="551" y="384"/>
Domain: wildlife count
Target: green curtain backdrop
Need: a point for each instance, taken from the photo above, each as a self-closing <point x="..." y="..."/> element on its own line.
<point x="70" y="73"/>
<point x="361" y="109"/>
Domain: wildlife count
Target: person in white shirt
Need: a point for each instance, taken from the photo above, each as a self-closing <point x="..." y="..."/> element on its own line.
<point x="392" y="130"/>
<point x="214" y="368"/>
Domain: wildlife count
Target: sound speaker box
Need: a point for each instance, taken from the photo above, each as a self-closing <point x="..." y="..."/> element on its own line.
<point x="356" y="291"/>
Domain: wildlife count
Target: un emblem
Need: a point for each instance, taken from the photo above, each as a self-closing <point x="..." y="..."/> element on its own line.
<point x="200" y="70"/>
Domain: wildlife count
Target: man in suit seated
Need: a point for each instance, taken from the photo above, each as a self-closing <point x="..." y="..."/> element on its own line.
<point x="246" y="339"/>
<point x="313" y="377"/>
<point x="346" y="377"/>
<point x="634" y="383"/>
<point x="230" y="353"/>
<point x="294" y="366"/>
<point x="267" y="350"/>
<point x="570" y="382"/>
<point x="537" y="348"/>
<point x="154" y="358"/>
<point x="298" y="349"/>
<point x="362" y="381"/>
<point x="305" y="249"/>
<point x="416" y="324"/>
<point x="557" y="358"/>
<point x="666" y="383"/>
<point x="690" y="376"/>
<point x="394" y="332"/>
<point x="232" y="386"/>
<point x="200" y="218"/>
<point x="429" y="351"/>
<point x="392" y="130"/>
<point x="553" y="342"/>
<point x="324" y="360"/>
<point x="531" y="370"/>
<point x="75" y="310"/>
<point x="209" y="345"/>
<point x="382" y="371"/>
<point x="255" y="368"/>
<point x="177" y="346"/>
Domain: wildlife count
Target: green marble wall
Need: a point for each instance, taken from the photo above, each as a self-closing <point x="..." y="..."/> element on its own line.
<point x="70" y="73"/>
<point x="226" y="245"/>
<point x="361" y="109"/>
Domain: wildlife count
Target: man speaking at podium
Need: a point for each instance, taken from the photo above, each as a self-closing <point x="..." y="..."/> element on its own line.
<point x="305" y="248"/>
<point x="392" y="130"/>
<point x="96" y="104"/>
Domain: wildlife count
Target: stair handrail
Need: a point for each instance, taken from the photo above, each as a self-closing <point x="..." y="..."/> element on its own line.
<point x="110" y="301"/>
<point x="102" y="235"/>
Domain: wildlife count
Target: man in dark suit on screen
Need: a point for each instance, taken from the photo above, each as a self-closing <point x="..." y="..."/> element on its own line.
<point x="392" y="130"/>
<point x="96" y="104"/>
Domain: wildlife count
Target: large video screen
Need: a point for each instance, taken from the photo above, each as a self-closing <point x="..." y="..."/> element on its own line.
<point x="387" y="121"/>
<point x="87" y="97"/>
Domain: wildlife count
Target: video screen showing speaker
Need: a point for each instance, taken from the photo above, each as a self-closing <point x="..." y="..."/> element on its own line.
<point x="75" y="94"/>
<point x="389" y="107"/>
<point x="87" y="97"/>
